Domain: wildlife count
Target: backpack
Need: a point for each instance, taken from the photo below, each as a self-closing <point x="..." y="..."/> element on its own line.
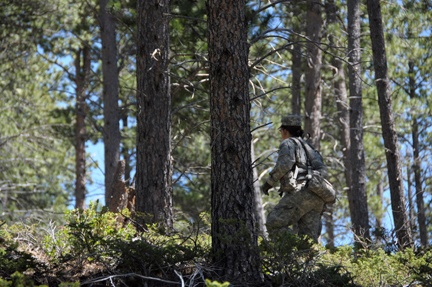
<point x="316" y="171"/>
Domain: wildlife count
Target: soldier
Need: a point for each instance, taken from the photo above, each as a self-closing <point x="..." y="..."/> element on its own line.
<point x="298" y="207"/>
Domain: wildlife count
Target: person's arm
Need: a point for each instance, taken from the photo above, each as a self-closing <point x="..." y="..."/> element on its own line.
<point x="284" y="164"/>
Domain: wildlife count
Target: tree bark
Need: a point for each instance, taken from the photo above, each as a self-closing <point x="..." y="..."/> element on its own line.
<point x="341" y="97"/>
<point x="111" y="130"/>
<point x="357" y="197"/>
<point x="296" y="77"/>
<point x="313" y="100"/>
<point x="296" y="64"/>
<point x="154" y="165"/>
<point x="259" y="210"/>
<point x="234" y="234"/>
<point x="403" y="232"/>
<point x="82" y="78"/>
<point x="126" y="153"/>
<point x="421" y="217"/>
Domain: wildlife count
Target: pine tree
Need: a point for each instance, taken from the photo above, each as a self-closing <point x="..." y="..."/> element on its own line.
<point x="234" y="235"/>
<point x="154" y="166"/>
<point x="400" y="215"/>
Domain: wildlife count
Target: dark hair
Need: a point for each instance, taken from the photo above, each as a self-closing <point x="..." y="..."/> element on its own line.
<point x="295" y="131"/>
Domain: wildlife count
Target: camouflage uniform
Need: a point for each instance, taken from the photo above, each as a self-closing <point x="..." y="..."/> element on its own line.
<point x="298" y="208"/>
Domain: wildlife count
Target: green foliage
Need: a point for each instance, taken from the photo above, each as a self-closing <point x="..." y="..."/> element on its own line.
<point x="74" y="284"/>
<point x="95" y="241"/>
<point x="99" y="238"/>
<point x="19" y="280"/>
<point x="13" y="260"/>
<point x="210" y="283"/>
<point x="292" y="261"/>
<point x="418" y="263"/>
<point x="87" y="236"/>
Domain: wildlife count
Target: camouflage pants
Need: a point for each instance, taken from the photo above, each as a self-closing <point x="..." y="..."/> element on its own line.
<point x="300" y="210"/>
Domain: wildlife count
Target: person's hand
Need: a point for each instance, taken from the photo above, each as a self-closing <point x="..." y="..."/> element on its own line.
<point x="265" y="188"/>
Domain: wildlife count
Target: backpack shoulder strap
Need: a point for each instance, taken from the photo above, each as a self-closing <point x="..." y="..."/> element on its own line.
<point x="300" y="143"/>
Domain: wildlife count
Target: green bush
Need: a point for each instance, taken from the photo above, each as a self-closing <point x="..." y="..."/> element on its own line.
<point x="418" y="263"/>
<point x="13" y="260"/>
<point x="210" y="283"/>
<point x="94" y="242"/>
<point x="100" y="238"/>
<point x="19" y="280"/>
<point x="293" y="261"/>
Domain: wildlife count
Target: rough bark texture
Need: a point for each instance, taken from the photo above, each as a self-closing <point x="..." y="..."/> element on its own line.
<point x="126" y="153"/>
<point x="421" y="217"/>
<point x="380" y="194"/>
<point x="259" y="209"/>
<point x="154" y="166"/>
<point x="82" y="78"/>
<point x="122" y="196"/>
<point x="400" y="217"/>
<point x="357" y="198"/>
<point x="234" y="234"/>
<point x="118" y="190"/>
<point x="296" y="77"/>
<point x="111" y="130"/>
<point x="313" y="100"/>
<point x="341" y="98"/>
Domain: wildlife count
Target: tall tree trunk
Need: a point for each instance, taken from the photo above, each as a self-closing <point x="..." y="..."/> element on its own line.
<point x="421" y="217"/>
<point x="233" y="230"/>
<point x="357" y="197"/>
<point x="296" y="64"/>
<point x="400" y="217"/>
<point x="154" y="165"/>
<point x="296" y="77"/>
<point x="111" y="130"/>
<point x="340" y="91"/>
<point x="378" y="219"/>
<point x="82" y="78"/>
<point x="313" y="98"/>
<point x="125" y="152"/>
<point x="259" y="210"/>
<point x="411" y="214"/>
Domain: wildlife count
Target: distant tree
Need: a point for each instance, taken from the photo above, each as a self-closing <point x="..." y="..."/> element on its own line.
<point x="296" y="63"/>
<point x="357" y="197"/>
<point x="259" y="209"/>
<point x="341" y="98"/>
<point x="313" y="97"/>
<point x="111" y="129"/>
<point x="234" y="233"/>
<point x="399" y="212"/>
<point x="411" y="51"/>
<point x="82" y="77"/>
<point x="154" y="165"/>
<point x="419" y="193"/>
<point x="36" y="165"/>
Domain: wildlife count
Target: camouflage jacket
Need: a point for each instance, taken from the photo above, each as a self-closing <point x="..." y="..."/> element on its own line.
<point x="290" y="154"/>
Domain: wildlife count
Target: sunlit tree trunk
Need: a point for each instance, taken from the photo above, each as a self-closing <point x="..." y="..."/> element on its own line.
<point x="233" y="229"/>
<point x="313" y="100"/>
<point x="340" y="92"/>
<point x="82" y="77"/>
<point x="421" y="217"/>
<point x="379" y="229"/>
<point x="296" y="78"/>
<point x="400" y="217"/>
<point x="154" y="165"/>
<point x="259" y="210"/>
<point x="411" y="213"/>
<point x="111" y="129"/>
<point x="126" y="153"/>
<point x="357" y="198"/>
<point x="296" y="65"/>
